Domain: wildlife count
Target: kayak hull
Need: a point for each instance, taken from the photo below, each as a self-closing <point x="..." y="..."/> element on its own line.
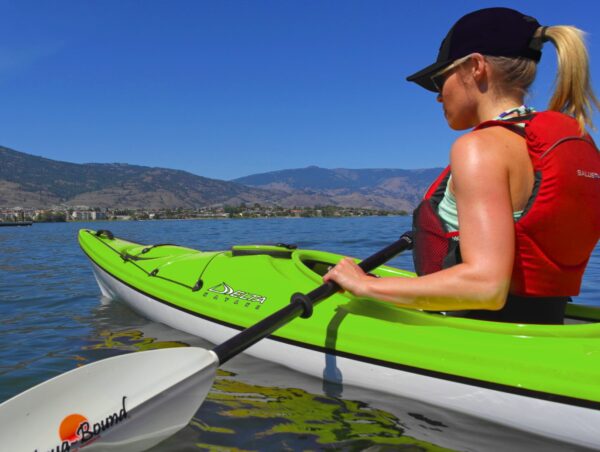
<point x="565" y="418"/>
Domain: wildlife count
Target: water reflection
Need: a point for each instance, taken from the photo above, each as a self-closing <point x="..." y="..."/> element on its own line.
<point x="241" y="416"/>
<point x="237" y="414"/>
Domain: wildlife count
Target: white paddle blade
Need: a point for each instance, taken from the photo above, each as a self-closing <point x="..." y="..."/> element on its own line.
<point x="126" y="403"/>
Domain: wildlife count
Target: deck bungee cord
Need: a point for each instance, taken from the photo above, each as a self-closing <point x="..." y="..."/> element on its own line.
<point x="127" y="257"/>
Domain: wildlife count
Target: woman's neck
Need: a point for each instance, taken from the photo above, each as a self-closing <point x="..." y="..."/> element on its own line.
<point x="489" y="110"/>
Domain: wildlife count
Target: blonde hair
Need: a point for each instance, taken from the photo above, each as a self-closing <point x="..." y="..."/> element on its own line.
<point x="573" y="93"/>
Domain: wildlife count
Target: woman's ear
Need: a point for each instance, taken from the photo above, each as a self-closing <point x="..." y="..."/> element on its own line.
<point x="479" y="70"/>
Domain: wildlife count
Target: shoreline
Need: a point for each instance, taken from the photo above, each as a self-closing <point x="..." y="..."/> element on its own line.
<point x="222" y="219"/>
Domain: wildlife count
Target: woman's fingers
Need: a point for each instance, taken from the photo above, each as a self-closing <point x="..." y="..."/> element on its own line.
<point x="347" y="274"/>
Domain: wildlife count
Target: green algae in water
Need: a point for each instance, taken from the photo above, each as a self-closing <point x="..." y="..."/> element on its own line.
<point x="239" y="416"/>
<point x="131" y="340"/>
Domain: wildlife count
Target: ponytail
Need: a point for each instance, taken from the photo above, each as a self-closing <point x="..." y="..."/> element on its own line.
<point x="573" y="93"/>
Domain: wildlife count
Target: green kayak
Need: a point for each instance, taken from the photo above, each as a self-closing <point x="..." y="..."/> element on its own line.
<point x="544" y="379"/>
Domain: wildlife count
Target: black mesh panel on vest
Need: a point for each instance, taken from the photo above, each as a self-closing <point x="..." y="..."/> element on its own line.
<point x="431" y="246"/>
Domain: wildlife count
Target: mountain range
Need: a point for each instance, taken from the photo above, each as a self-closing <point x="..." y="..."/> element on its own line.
<point x="396" y="189"/>
<point x="37" y="182"/>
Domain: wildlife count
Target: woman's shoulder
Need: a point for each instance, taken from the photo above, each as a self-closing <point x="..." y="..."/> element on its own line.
<point x="492" y="154"/>
<point x="489" y="142"/>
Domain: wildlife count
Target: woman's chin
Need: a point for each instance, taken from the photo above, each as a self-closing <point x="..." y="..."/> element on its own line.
<point x="458" y="125"/>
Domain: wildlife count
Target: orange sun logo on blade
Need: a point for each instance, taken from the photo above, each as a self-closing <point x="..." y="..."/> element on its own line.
<point x="68" y="427"/>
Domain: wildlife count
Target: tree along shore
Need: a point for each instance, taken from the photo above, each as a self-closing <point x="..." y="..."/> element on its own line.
<point x="85" y="213"/>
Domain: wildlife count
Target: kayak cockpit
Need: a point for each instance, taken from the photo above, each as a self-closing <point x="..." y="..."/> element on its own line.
<point x="316" y="263"/>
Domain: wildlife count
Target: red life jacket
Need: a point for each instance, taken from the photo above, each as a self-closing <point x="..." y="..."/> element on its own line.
<point x="559" y="227"/>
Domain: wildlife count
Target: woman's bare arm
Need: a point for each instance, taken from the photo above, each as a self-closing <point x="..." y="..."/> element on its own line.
<point x="481" y="186"/>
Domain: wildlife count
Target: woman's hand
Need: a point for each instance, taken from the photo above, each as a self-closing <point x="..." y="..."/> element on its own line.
<point x="349" y="276"/>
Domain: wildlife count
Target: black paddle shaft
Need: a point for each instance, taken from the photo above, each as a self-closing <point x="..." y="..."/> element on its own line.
<point x="301" y="305"/>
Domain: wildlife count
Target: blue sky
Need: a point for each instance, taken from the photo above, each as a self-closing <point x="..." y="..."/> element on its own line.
<point x="225" y="89"/>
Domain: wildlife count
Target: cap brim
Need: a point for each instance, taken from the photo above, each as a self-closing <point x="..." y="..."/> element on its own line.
<point x="423" y="77"/>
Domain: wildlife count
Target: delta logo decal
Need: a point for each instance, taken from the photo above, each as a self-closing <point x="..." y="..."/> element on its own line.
<point x="230" y="292"/>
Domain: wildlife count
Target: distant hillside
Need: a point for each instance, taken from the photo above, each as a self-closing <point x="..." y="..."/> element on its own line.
<point x="30" y="181"/>
<point x="378" y="188"/>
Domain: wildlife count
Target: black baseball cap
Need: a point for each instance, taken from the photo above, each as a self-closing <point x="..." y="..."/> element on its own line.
<point x="490" y="31"/>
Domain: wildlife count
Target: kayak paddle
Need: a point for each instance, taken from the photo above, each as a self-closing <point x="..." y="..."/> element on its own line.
<point x="134" y="401"/>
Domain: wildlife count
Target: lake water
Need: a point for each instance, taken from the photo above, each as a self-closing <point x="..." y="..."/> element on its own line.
<point x="53" y="318"/>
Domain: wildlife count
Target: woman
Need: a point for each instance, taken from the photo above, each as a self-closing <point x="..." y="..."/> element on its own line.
<point x="524" y="186"/>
